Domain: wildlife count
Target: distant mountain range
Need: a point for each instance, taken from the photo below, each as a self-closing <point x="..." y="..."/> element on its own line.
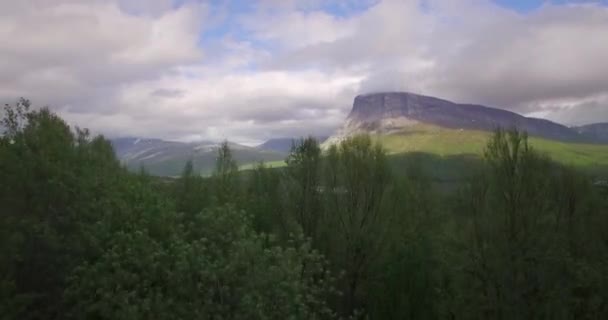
<point x="384" y="113"/>
<point x="167" y="158"/>
<point x="595" y="132"/>
<point x="387" y="112"/>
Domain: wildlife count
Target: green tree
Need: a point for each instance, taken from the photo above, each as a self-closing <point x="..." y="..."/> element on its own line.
<point x="523" y="247"/>
<point x="216" y="268"/>
<point x="190" y="192"/>
<point x="357" y="179"/>
<point x="264" y="201"/>
<point x="225" y="176"/>
<point x="303" y="185"/>
<point x="404" y="281"/>
<point x="51" y="179"/>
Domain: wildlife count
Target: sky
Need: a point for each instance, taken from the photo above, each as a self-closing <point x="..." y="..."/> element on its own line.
<point x="249" y="70"/>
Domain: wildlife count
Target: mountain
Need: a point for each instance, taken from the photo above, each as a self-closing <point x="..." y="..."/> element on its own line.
<point x="459" y="144"/>
<point x="167" y="158"/>
<point x="403" y="122"/>
<point x="283" y="144"/>
<point x="596" y="131"/>
<point x="451" y="136"/>
<point x="387" y="112"/>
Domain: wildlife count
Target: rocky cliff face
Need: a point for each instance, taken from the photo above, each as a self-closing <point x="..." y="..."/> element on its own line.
<point x="390" y="111"/>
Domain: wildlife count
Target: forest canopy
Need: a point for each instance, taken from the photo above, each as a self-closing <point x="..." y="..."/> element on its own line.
<point x="337" y="233"/>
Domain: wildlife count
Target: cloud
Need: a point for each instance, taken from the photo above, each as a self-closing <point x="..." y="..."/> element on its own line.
<point x="185" y="70"/>
<point x="167" y="93"/>
<point x="472" y="51"/>
<point x="389" y="34"/>
<point x="244" y="107"/>
<point x="519" y="62"/>
<point x="574" y="111"/>
<point x="75" y="53"/>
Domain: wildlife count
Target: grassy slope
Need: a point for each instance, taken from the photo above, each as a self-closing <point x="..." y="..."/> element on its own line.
<point x="451" y="153"/>
<point x="269" y="164"/>
<point x="454" y="143"/>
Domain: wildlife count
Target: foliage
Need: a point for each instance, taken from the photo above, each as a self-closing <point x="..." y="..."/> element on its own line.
<point x="347" y="232"/>
<point x="215" y="267"/>
<point x="444" y="142"/>
<point x="191" y="194"/>
<point x="53" y="181"/>
<point x="225" y="175"/>
<point x="358" y="178"/>
<point x="303" y="181"/>
<point x="523" y="223"/>
<point x="263" y="201"/>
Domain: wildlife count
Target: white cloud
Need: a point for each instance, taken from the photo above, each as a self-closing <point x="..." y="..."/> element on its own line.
<point x="520" y="61"/>
<point x="474" y="51"/>
<point x="297" y="29"/>
<point x="256" y="105"/>
<point x="65" y="52"/>
<point x="290" y="67"/>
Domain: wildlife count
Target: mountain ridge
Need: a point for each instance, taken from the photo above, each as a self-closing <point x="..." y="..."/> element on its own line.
<point x="283" y="144"/>
<point x="386" y="112"/>
<point x="597" y="131"/>
<point x="167" y="158"/>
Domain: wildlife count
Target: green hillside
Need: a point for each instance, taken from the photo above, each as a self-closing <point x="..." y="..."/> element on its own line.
<point x="451" y="154"/>
<point x="455" y="144"/>
<point x="268" y="164"/>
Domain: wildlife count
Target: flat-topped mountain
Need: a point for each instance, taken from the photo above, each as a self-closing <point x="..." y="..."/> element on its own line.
<point x="386" y="112"/>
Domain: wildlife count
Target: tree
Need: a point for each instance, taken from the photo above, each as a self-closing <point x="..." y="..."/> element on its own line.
<point x="404" y="277"/>
<point x="51" y="179"/>
<point x="523" y="249"/>
<point x="225" y="176"/>
<point x="357" y="179"/>
<point x="190" y="193"/>
<point x="217" y="267"/>
<point x="264" y="201"/>
<point x="81" y="237"/>
<point x="303" y="185"/>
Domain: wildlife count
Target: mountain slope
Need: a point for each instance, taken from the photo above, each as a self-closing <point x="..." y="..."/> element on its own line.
<point x="446" y="142"/>
<point x="595" y="131"/>
<point x="386" y="112"/>
<point x="283" y="144"/>
<point x="167" y="158"/>
<point x="444" y="133"/>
